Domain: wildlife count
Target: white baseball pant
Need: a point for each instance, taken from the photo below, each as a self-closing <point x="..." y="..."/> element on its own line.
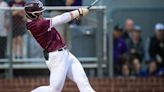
<point x="62" y="64"/>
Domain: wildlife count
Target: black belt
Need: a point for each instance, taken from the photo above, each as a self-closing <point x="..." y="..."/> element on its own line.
<point x="46" y="55"/>
<point x="61" y="49"/>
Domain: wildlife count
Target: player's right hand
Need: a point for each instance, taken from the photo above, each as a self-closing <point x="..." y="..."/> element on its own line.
<point x="83" y="11"/>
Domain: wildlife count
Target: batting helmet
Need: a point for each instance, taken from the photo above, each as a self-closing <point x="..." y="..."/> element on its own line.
<point x="33" y="9"/>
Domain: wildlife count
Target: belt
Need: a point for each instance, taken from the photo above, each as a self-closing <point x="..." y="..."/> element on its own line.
<point x="46" y="55"/>
<point x="61" y="49"/>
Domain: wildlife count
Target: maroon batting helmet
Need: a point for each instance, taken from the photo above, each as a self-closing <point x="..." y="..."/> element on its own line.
<point x="33" y="9"/>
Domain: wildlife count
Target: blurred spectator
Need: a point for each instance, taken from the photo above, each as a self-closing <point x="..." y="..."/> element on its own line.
<point x="73" y="2"/>
<point x="152" y="68"/>
<point x="128" y="28"/>
<point x="55" y="2"/>
<point x="161" y="72"/>
<point x="3" y="29"/>
<point x="63" y="2"/>
<point x="125" y="70"/>
<point x="156" y="46"/>
<point x="119" y="47"/>
<point x="135" y="43"/>
<point x="124" y="58"/>
<point x="18" y="26"/>
<point x="137" y="68"/>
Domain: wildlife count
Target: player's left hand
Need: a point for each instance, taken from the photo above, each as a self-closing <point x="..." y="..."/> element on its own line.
<point x="82" y="12"/>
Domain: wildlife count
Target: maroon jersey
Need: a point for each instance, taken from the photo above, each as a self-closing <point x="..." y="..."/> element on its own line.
<point x="48" y="39"/>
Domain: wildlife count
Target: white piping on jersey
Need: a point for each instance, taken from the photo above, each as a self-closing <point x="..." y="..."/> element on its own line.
<point x="50" y="27"/>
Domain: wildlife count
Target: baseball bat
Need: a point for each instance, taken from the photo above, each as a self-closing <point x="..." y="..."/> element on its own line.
<point x="92" y="4"/>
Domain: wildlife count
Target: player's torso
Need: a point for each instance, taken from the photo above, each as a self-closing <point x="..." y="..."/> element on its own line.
<point x="50" y="40"/>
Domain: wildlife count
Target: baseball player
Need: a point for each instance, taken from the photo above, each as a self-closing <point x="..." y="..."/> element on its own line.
<point x="59" y="60"/>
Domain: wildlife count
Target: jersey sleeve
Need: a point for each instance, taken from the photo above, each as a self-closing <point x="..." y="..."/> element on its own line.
<point x="61" y="19"/>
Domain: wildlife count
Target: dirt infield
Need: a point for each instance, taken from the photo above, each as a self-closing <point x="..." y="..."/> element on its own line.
<point x="99" y="84"/>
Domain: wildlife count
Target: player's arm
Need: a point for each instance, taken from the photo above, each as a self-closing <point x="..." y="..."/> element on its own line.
<point x="68" y="16"/>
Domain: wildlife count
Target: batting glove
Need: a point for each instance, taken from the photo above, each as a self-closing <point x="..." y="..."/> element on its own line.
<point x="80" y="12"/>
<point x="83" y="11"/>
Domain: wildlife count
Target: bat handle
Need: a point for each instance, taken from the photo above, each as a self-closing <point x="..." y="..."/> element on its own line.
<point x="89" y="7"/>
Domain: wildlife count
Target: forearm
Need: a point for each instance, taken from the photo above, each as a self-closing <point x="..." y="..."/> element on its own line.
<point x="64" y="18"/>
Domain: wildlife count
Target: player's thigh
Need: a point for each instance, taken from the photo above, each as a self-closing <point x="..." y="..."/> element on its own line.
<point x="58" y="70"/>
<point x="76" y="72"/>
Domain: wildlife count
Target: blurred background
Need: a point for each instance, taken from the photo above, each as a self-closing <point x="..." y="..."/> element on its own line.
<point x="120" y="45"/>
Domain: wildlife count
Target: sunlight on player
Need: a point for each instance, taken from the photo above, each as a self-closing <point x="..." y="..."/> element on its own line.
<point x="59" y="60"/>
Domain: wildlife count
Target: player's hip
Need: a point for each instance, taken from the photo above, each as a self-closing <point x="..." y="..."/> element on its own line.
<point x="57" y="57"/>
<point x="47" y="53"/>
